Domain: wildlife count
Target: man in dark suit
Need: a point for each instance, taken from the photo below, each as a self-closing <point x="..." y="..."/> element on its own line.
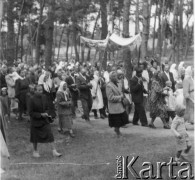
<point x="71" y="82"/>
<point x="167" y="76"/>
<point x="85" y="93"/>
<point x="137" y="91"/>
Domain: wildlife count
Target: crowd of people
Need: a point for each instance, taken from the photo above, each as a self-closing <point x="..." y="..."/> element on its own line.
<point x="60" y="91"/>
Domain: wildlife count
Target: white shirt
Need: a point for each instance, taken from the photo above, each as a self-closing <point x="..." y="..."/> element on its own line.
<point x="167" y="74"/>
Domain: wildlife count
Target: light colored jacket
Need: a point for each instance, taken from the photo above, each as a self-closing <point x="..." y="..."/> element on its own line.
<point x="113" y="93"/>
<point x="188" y="88"/>
<point x="10" y="85"/>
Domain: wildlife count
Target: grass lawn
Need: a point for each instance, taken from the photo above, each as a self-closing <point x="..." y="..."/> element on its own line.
<point x="92" y="154"/>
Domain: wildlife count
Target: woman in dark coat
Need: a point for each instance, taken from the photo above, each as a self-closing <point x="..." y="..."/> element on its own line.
<point x="40" y="129"/>
<point x="21" y="89"/>
<point x="157" y="101"/>
<point x="117" y="115"/>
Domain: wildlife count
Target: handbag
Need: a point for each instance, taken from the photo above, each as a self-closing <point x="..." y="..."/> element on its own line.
<point x="125" y="101"/>
<point x="49" y="119"/>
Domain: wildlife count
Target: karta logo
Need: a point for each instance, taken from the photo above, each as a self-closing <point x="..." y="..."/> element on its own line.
<point x="124" y="166"/>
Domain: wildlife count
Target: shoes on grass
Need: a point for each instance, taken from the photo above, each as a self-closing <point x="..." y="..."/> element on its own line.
<point x="56" y="154"/>
<point x="36" y="154"/>
<point x="152" y="126"/>
<point x="167" y="127"/>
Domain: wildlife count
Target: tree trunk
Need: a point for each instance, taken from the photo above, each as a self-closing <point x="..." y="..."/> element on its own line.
<point x="173" y="31"/>
<point x="67" y="44"/>
<point x="93" y="33"/>
<point x="126" y="51"/>
<point x="162" y="35"/>
<point x="137" y="18"/>
<point x="49" y="28"/>
<point x="104" y="29"/>
<point x="154" y="30"/>
<point x="37" y="56"/>
<point x="74" y="22"/>
<point x="21" y="38"/>
<point x="19" y="27"/>
<point x="1" y="16"/>
<point x="181" y="30"/>
<point x="145" y="33"/>
<point x="110" y="18"/>
<point x="10" y="34"/>
<point x="60" y="41"/>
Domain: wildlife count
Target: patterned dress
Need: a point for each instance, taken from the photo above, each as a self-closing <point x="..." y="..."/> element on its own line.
<point x="157" y="101"/>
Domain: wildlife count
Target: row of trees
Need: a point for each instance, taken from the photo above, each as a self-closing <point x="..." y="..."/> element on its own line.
<point x="41" y="19"/>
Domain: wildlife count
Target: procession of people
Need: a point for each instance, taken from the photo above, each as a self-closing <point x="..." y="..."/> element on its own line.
<point x="57" y="93"/>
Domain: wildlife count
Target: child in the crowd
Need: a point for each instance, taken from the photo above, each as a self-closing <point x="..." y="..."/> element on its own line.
<point x="179" y="100"/>
<point x="6" y="102"/>
<point x="182" y="138"/>
<point x="170" y="101"/>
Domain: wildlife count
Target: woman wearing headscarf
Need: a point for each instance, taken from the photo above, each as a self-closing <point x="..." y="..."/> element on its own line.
<point x="181" y="71"/>
<point x="174" y="72"/>
<point x="48" y="88"/>
<point x="188" y="92"/>
<point x="117" y="115"/>
<point x="40" y="128"/>
<point x="97" y="96"/>
<point x="157" y="101"/>
<point x="21" y="89"/>
<point x="64" y="109"/>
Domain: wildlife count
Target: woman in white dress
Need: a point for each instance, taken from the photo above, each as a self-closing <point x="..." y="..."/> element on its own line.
<point x="97" y="96"/>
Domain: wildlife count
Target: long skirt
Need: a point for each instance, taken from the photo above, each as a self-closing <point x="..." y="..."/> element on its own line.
<point x="41" y="134"/>
<point x="189" y="113"/>
<point x="65" y="121"/>
<point x="118" y="120"/>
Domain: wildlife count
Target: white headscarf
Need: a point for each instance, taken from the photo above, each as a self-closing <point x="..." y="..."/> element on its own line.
<point x="174" y="71"/>
<point x="61" y="89"/>
<point x="48" y="84"/>
<point x="180" y="67"/>
<point x="188" y="72"/>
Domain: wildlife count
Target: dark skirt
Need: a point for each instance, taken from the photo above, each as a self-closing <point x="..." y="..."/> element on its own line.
<point x="118" y="120"/>
<point x="41" y="134"/>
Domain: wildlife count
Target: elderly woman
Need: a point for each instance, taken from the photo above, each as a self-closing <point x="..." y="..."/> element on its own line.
<point x="40" y="129"/>
<point x="117" y="114"/>
<point x="64" y="109"/>
<point x="188" y="92"/>
<point x="157" y="101"/>
<point x="48" y="88"/>
<point x="97" y="96"/>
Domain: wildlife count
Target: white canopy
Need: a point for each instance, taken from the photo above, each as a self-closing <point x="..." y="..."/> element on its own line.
<point x="113" y="42"/>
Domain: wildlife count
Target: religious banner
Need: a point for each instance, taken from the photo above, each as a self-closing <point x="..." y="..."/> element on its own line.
<point x="91" y="43"/>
